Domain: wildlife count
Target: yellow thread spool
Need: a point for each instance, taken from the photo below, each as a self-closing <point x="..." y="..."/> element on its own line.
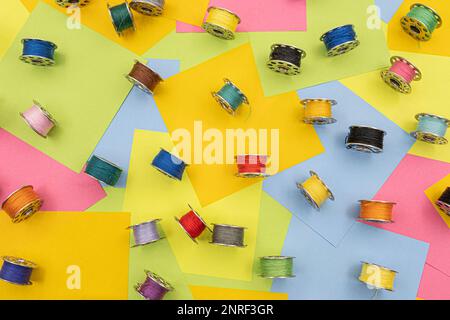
<point x="377" y="276"/>
<point x="318" y="111"/>
<point x="315" y="190"/>
<point x="376" y="211"/>
<point x="221" y="23"/>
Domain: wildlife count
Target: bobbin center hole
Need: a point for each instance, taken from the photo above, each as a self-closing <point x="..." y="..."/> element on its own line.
<point x="395" y="83"/>
<point x="415" y="29"/>
<point x="219" y="31"/>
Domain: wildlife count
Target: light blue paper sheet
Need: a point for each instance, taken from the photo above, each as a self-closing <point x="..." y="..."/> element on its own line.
<point x="388" y="8"/>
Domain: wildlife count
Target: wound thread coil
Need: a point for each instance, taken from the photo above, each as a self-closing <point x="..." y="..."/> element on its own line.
<point x="377" y="277"/>
<point x="169" y="164"/>
<point x="193" y="224"/>
<point x="22" y="204"/>
<point x="315" y="191"/>
<point x="228" y="235"/>
<point x="146" y="233"/>
<point x="444" y="201"/>
<point x="39" y="119"/>
<point x="230" y="97"/>
<point x="431" y="128"/>
<point x="365" y="139"/>
<point x="144" y="77"/>
<point x="318" y="111"/>
<point x="276" y="267"/>
<point x="121" y="17"/>
<point x="103" y="170"/>
<point x="17" y="271"/>
<point x="376" y="211"/>
<point x="401" y="74"/>
<point x="148" y="7"/>
<point x="421" y="21"/>
<point x="221" y="23"/>
<point x="38" y="52"/>
<point x="340" y="40"/>
<point x="70" y="3"/>
<point x="285" y="59"/>
<point x="154" y="287"/>
<point x="251" y="166"/>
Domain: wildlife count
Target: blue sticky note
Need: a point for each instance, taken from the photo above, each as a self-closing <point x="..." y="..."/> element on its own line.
<point x="351" y="175"/>
<point x="388" y="8"/>
<point x="325" y="272"/>
<point x="138" y="111"/>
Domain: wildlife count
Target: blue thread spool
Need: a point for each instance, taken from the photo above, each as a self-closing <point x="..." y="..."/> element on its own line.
<point x="38" y="52"/>
<point x="103" y="170"/>
<point x="230" y="97"/>
<point x="17" y="271"/>
<point x="431" y="128"/>
<point x="340" y="40"/>
<point x="169" y="164"/>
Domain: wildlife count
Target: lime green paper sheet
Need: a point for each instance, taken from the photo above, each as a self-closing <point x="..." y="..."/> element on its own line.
<point x="12" y="17"/>
<point x="317" y="68"/>
<point x="112" y="202"/>
<point x="82" y="91"/>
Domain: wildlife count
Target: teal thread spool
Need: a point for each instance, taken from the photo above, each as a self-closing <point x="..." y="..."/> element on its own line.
<point x="230" y="97"/>
<point x="277" y="267"/>
<point x="420" y="22"/>
<point x="103" y="170"/>
<point x="431" y="128"/>
<point x="121" y="17"/>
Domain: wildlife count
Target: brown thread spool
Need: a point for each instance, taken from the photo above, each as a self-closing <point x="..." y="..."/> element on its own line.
<point x="144" y="77"/>
<point x="22" y="204"/>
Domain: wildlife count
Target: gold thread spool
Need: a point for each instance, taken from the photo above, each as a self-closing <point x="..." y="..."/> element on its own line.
<point x="221" y="23"/>
<point x="377" y="276"/>
<point x="376" y="211"/>
<point x="315" y="190"/>
<point x="318" y="111"/>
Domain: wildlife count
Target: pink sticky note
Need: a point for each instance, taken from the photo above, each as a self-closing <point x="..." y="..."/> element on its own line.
<point x="61" y="188"/>
<point x="434" y="284"/>
<point x="414" y="215"/>
<point x="261" y="15"/>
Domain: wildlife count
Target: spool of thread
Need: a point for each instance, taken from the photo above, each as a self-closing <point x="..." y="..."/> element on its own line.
<point x="376" y="211"/>
<point x="169" y="164"/>
<point x="420" y="22"/>
<point x="39" y="119"/>
<point x="340" y="40"/>
<point x="148" y="7"/>
<point x="285" y="59"/>
<point x="154" y="287"/>
<point x="315" y="191"/>
<point x="444" y="201"/>
<point x="318" y="111"/>
<point x="144" y="77"/>
<point x="17" y="271"/>
<point x="228" y="235"/>
<point x="365" y="139"/>
<point x="146" y="232"/>
<point x="401" y="74"/>
<point x="230" y="98"/>
<point x="277" y="267"/>
<point x="103" y="170"/>
<point x="431" y="128"/>
<point x="221" y="23"/>
<point x="22" y="204"/>
<point x="121" y="17"/>
<point x="251" y="166"/>
<point x="193" y="224"/>
<point x="38" y="52"/>
<point x="377" y="277"/>
<point x="70" y="3"/>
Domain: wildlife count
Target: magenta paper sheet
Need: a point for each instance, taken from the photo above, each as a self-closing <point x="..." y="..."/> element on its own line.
<point x="261" y="15"/>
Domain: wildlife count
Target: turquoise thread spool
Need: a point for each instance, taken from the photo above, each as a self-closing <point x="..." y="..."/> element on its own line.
<point x="277" y="267"/>
<point x="431" y="128"/>
<point x="121" y="17"/>
<point x="103" y="170"/>
<point x="421" y="21"/>
<point x="230" y="97"/>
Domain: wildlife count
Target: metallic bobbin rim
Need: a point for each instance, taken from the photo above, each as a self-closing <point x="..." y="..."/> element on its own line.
<point x="343" y="47"/>
<point x="277" y="258"/>
<point x="282" y="66"/>
<point x="225" y="244"/>
<point x="434" y="12"/>
<point x="381" y="267"/>
<point x="147" y="8"/>
<point x="429" y="136"/>
<point x="27" y="210"/>
<point x="443" y="206"/>
<point x="225" y="104"/>
<point x="318" y="120"/>
<point x="199" y="217"/>
<point x="377" y="220"/>
<point x="38" y="60"/>
<point x="166" y="173"/>
<point x="308" y="197"/>
<point x="363" y="147"/>
<point x="67" y="4"/>
<point x="418" y="75"/>
<point x="19" y="262"/>
<point x="45" y="113"/>
<point x="156" y="278"/>
<point x="142" y="223"/>
<point x="112" y="21"/>
<point x="139" y="84"/>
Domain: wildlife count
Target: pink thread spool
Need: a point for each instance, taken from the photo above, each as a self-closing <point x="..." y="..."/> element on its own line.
<point x="39" y="119"/>
<point x="401" y="74"/>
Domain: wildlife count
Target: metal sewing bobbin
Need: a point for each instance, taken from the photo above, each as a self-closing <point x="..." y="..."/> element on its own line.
<point x="146" y="232"/>
<point x="340" y="40"/>
<point x="221" y="23"/>
<point x="444" y="201"/>
<point x="285" y="59"/>
<point x="365" y="139"/>
<point x="277" y="267"/>
<point x="121" y="17"/>
<point x="144" y="77"/>
<point x="377" y="277"/>
<point x="17" y="271"/>
<point x="315" y="191"/>
<point x="154" y="287"/>
<point x="376" y="211"/>
<point x="318" y="111"/>
<point x="251" y="166"/>
<point x="228" y="235"/>
<point x="230" y="97"/>
<point x="401" y="74"/>
<point x="169" y="164"/>
<point x="431" y="128"/>
<point x="193" y="224"/>
<point x="421" y="21"/>
<point x="22" y="204"/>
<point x="38" y="52"/>
<point x="39" y="119"/>
<point x="148" y="7"/>
<point x="70" y="3"/>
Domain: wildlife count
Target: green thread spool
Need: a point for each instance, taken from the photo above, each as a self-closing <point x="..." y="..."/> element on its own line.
<point x="230" y="97"/>
<point x="277" y="267"/>
<point x="103" y="170"/>
<point x="121" y="17"/>
<point x="420" y="22"/>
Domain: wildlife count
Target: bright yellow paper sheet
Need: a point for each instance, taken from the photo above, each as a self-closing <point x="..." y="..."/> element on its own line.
<point x="434" y="192"/>
<point x="12" y="17"/>
<point x="429" y="95"/>
<point x="211" y="293"/>
<point x="65" y="245"/>
<point x="151" y="195"/>
<point x="438" y="45"/>
<point x="186" y="103"/>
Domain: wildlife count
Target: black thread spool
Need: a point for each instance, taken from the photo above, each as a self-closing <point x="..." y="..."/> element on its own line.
<point x="285" y="59"/>
<point x="365" y="139"/>
<point x="444" y="201"/>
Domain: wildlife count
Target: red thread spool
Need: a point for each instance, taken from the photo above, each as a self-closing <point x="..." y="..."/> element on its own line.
<point x="193" y="224"/>
<point x="250" y="166"/>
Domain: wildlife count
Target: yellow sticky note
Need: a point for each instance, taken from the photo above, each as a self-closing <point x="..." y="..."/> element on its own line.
<point x="434" y="192"/>
<point x="398" y="39"/>
<point x="150" y="195"/>
<point x="12" y="17"/>
<point x="149" y="30"/>
<point x="79" y="255"/>
<point x="198" y="124"/>
<point x="211" y="293"/>
<point x="428" y="95"/>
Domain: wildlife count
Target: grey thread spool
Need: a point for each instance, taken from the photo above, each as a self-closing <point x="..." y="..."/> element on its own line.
<point x="148" y="7"/>
<point x="146" y="232"/>
<point x="228" y="235"/>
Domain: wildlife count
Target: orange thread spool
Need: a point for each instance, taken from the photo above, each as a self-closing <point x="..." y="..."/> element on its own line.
<point x="22" y="204"/>
<point x="376" y="211"/>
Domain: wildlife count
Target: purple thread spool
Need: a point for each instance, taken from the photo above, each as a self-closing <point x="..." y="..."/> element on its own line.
<point x="146" y="232"/>
<point x="154" y="287"/>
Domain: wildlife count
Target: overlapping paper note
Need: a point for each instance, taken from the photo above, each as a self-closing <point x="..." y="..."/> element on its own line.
<point x="434" y="192"/>
<point x="12" y="17"/>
